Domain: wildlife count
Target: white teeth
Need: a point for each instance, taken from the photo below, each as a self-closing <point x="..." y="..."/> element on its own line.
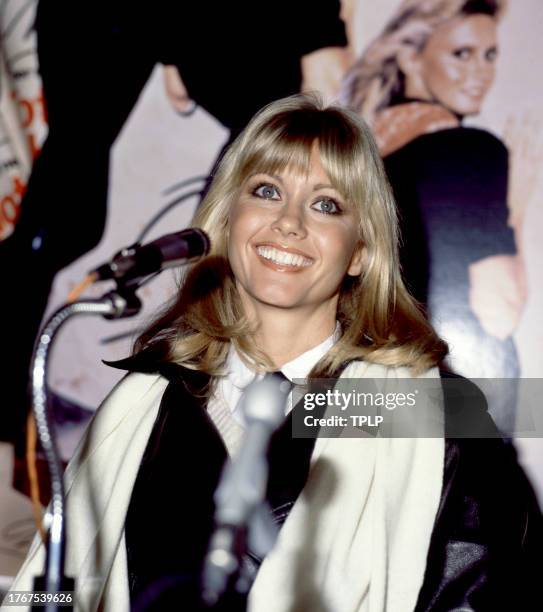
<point x="280" y="257"/>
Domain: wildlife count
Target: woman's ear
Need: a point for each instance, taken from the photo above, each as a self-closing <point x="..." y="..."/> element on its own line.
<point x="358" y="261"/>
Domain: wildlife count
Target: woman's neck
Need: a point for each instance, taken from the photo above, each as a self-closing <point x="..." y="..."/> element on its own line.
<point x="283" y="337"/>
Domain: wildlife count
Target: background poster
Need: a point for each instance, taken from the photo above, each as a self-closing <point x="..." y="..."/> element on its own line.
<point x="23" y="124"/>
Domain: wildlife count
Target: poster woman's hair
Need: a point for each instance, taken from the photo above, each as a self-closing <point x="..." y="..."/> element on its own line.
<point x="380" y="321"/>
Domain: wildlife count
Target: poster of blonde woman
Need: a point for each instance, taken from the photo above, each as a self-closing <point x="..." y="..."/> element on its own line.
<point x="424" y="79"/>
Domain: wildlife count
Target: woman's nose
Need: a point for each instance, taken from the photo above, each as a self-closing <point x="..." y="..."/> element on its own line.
<point x="290" y="221"/>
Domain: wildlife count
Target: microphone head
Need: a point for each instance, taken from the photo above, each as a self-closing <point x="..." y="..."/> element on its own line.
<point x="197" y="241"/>
<point x="264" y="400"/>
<point x="176" y="248"/>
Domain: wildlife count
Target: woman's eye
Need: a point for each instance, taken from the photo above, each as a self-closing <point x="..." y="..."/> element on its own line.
<point x="268" y="192"/>
<point x="327" y="206"/>
<point x="463" y="53"/>
<point x="491" y="54"/>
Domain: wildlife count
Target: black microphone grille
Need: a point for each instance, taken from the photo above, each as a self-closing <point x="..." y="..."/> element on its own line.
<point x="198" y="241"/>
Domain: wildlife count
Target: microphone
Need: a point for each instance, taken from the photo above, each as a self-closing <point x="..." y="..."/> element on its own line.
<point x="240" y="509"/>
<point x="171" y="250"/>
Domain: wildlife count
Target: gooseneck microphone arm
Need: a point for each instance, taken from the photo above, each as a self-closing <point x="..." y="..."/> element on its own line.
<point x="115" y="304"/>
<point x="112" y="305"/>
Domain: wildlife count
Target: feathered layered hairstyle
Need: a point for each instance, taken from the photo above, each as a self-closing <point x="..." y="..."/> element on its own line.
<point x="380" y="321"/>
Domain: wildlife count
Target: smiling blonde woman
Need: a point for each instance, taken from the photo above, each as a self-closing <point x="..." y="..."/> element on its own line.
<point x="431" y="67"/>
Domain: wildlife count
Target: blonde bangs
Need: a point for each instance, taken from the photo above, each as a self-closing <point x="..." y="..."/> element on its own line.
<point x="277" y="157"/>
<point x="287" y="140"/>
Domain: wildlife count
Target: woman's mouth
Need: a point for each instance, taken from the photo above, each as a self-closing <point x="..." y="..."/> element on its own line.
<point x="280" y="259"/>
<point x="474" y="91"/>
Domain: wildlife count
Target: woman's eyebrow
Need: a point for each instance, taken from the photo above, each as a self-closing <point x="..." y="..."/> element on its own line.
<point x="273" y="176"/>
<point x="322" y="186"/>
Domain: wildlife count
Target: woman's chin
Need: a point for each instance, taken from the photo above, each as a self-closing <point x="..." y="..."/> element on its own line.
<point x="279" y="301"/>
<point x="465" y="108"/>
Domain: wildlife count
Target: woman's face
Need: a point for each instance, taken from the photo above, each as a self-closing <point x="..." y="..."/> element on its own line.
<point x="292" y="239"/>
<point x="456" y="66"/>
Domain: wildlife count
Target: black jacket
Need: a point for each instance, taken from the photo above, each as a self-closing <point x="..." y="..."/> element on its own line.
<point x="485" y="547"/>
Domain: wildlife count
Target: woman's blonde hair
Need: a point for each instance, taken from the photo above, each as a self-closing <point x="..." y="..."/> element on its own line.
<point x="376" y="79"/>
<point x="381" y="323"/>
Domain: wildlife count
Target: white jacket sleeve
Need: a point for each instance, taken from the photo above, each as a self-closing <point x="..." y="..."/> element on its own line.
<point x="99" y="481"/>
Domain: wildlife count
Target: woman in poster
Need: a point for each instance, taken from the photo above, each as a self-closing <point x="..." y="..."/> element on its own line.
<point x="431" y="67"/>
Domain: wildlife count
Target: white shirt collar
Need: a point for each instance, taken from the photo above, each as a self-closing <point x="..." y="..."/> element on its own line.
<point x="238" y="375"/>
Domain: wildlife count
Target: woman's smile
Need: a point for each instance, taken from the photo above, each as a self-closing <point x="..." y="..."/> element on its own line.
<point x="282" y="259"/>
